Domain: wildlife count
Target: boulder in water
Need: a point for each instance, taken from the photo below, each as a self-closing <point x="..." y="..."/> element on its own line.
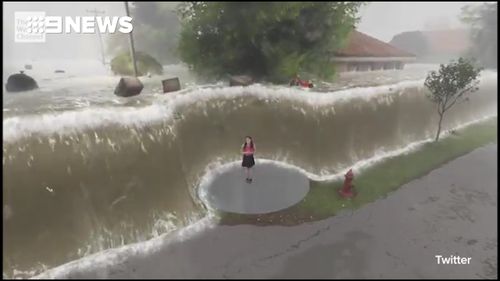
<point x="59" y="71"/>
<point x="171" y="85"/>
<point x="129" y="86"/>
<point x="20" y="82"/>
<point x="240" y="80"/>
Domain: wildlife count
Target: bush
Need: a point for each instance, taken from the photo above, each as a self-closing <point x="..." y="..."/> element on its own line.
<point x="122" y="64"/>
<point x="451" y="85"/>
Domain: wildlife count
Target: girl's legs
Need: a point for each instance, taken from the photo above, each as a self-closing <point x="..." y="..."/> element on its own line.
<point x="249" y="175"/>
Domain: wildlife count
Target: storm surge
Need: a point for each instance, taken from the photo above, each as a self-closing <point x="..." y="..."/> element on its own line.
<point x="88" y="179"/>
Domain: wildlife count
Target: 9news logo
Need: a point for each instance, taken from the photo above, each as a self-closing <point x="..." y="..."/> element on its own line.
<point x="31" y="27"/>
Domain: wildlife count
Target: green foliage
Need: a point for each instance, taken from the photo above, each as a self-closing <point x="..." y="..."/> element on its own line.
<point x="482" y="20"/>
<point x="451" y="84"/>
<point x="156" y="31"/>
<point x="122" y="64"/>
<point x="271" y="41"/>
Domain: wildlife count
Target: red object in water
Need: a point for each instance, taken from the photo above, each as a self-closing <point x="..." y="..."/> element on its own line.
<point x="347" y="189"/>
<point x="304" y="83"/>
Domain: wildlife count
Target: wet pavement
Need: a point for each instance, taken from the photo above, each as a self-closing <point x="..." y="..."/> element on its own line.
<point x="273" y="188"/>
<point x="450" y="211"/>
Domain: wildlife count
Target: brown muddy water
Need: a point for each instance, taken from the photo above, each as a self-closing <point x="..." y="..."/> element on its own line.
<point x="90" y="176"/>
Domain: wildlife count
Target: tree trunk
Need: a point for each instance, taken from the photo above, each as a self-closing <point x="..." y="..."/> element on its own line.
<point x="439" y="127"/>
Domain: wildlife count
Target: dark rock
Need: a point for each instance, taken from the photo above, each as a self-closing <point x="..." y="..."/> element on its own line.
<point x="20" y="82"/>
<point x="129" y="86"/>
<point x="28" y="66"/>
<point x="471" y="242"/>
<point x="171" y="85"/>
<point x="241" y="80"/>
<point x="59" y="71"/>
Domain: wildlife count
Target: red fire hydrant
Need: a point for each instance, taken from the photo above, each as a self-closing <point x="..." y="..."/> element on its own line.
<point x="347" y="189"/>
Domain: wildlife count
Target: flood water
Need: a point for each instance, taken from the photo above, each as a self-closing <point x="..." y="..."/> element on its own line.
<point x="86" y="171"/>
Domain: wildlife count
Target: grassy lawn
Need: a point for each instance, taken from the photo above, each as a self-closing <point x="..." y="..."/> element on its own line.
<point x="377" y="181"/>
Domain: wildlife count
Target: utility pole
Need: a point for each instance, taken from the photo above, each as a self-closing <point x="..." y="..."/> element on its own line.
<point x="132" y="49"/>
<point x="129" y="86"/>
<point x="97" y="12"/>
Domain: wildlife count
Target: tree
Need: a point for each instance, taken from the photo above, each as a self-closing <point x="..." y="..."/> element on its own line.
<point x="413" y="42"/>
<point x="122" y="64"/>
<point x="482" y="20"/>
<point x="271" y="41"/>
<point x="451" y="85"/>
<point x="156" y="31"/>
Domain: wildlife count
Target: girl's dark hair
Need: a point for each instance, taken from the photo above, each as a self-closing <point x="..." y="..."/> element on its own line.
<point x="245" y="143"/>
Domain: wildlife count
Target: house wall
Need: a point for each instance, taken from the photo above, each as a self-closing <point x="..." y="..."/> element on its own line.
<point x="389" y="65"/>
<point x="363" y="66"/>
<point x="341" y="66"/>
<point x="349" y="66"/>
<point x="377" y="65"/>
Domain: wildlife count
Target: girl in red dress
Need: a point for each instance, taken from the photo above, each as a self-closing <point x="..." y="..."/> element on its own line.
<point x="248" y="150"/>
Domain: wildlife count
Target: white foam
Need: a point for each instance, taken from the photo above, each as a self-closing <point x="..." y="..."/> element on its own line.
<point x="72" y="121"/>
<point x="101" y="261"/>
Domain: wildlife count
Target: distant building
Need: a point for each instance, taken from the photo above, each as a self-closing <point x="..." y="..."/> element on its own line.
<point x="437" y="46"/>
<point x="365" y="53"/>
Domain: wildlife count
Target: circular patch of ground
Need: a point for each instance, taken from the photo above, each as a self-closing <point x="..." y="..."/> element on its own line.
<point x="274" y="187"/>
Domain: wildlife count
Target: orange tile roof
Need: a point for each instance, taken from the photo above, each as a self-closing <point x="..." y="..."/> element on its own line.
<point x="362" y="45"/>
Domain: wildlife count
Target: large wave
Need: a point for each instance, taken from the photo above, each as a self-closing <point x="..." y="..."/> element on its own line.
<point x="84" y="180"/>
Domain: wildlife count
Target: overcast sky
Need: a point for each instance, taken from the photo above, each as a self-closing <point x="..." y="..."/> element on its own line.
<point x="381" y="20"/>
<point x="63" y="46"/>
